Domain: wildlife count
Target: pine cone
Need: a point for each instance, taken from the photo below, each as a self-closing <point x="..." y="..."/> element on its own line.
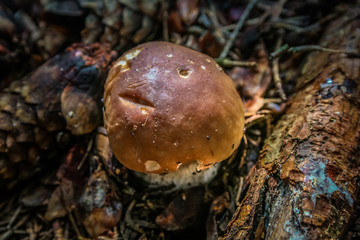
<point x="43" y="112"/>
<point x="122" y="22"/>
<point x="13" y="46"/>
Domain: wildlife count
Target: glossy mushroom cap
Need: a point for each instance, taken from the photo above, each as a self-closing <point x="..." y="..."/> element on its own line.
<point x="166" y="105"/>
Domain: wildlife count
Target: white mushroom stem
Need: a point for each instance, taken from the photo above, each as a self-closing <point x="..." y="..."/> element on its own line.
<point x="185" y="177"/>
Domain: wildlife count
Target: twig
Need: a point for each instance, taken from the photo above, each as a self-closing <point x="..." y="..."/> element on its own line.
<point x="212" y="14"/>
<point x="46" y="234"/>
<point x="189" y="43"/>
<point x="8" y="234"/>
<point x="73" y="223"/>
<point x="66" y="231"/>
<point x="233" y="155"/>
<point x="275" y="70"/>
<point x="307" y="48"/>
<point x="69" y="213"/>
<point x="129" y="221"/>
<point x="317" y="25"/>
<point x="42" y="218"/>
<point x="30" y="230"/>
<point x="239" y="25"/>
<point x="241" y="183"/>
<point x="280" y="51"/>
<point x="287" y="26"/>
<point x="249" y="122"/>
<point x="276" y="9"/>
<point x="232" y="63"/>
<point x="13" y="218"/>
<point x="277" y="80"/>
<point x="243" y="156"/>
<point x="272" y="100"/>
<point x="319" y="48"/>
<point x="88" y="149"/>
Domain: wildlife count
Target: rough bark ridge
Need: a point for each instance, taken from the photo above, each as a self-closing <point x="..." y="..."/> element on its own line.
<point x="305" y="184"/>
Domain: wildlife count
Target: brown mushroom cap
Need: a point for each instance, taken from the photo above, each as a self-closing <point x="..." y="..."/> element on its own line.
<point x="166" y="105"/>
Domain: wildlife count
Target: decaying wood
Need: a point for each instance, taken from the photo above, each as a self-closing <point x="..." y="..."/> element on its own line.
<point x="305" y="183"/>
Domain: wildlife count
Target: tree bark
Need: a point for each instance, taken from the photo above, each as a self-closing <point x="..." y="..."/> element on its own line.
<point x="307" y="177"/>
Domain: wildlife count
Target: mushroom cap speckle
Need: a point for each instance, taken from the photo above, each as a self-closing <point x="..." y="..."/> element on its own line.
<point x="166" y="105"/>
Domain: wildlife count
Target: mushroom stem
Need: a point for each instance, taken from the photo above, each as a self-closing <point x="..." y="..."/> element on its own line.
<point x="187" y="176"/>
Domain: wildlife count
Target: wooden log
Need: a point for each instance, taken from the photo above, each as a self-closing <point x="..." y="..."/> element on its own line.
<point x="305" y="183"/>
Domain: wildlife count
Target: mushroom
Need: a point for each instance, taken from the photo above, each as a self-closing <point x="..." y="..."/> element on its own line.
<point x="171" y="114"/>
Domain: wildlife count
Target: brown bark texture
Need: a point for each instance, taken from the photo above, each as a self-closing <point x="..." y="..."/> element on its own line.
<point x="305" y="183"/>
